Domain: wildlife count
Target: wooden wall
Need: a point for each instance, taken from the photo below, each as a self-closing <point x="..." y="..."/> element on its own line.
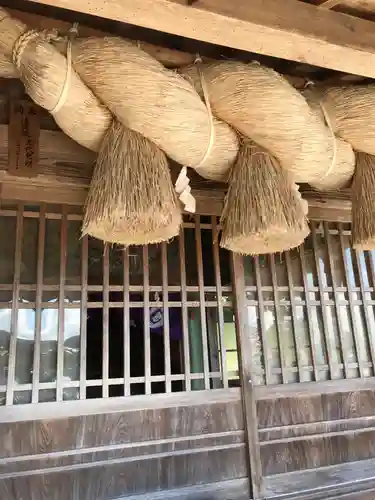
<point x="308" y="432"/>
<point x="107" y="455"/>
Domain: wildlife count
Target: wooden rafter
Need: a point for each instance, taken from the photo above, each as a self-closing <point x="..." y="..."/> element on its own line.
<point x="289" y="29"/>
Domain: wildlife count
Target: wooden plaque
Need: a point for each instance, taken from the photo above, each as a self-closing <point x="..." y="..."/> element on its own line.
<point x="23" y="139"/>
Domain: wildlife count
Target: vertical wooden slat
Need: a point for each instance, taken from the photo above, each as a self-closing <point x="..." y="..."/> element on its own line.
<point x="312" y="337"/>
<point x="167" y="347"/>
<point x="83" y="326"/>
<point x="202" y="302"/>
<point x="185" y="328"/>
<point x="258" y="282"/>
<point x="280" y="340"/>
<point x="146" y="315"/>
<point x="344" y="347"/>
<point x="15" y="307"/>
<point x="38" y="304"/>
<point x="351" y="305"/>
<point x="371" y="255"/>
<point x="245" y="356"/>
<point x="126" y="312"/>
<point x="219" y="293"/>
<point x="61" y="324"/>
<point x="370" y="337"/>
<point x="330" y="345"/>
<point x="297" y="341"/>
<point x="105" y="355"/>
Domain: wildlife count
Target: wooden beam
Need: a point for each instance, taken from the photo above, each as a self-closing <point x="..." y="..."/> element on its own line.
<point x="171" y="58"/>
<point x="55" y="147"/>
<point x="56" y="188"/>
<point x="290" y="29"/>
<point x="65" y="170"/>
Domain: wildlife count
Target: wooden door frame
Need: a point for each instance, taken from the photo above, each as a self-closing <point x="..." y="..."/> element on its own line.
<point x="244" y="350"/>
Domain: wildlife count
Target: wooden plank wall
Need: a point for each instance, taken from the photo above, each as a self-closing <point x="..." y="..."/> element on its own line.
<point x="108" y="455"/>
<point x="310" y="432"/>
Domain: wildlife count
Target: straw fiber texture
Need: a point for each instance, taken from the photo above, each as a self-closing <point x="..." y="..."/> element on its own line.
<point x="155" y="102"/>
<point x="343" y="165"/>
<point x="351" y="110"/>
<point x="131" y="199"/>
<point x="7" y="68"/>
<point x="363" y="203"/>
<point x="121" y="102"/>
<point x="263" y="106"/>
<point x="43" y="71"/>
<point x="263" y="210"/>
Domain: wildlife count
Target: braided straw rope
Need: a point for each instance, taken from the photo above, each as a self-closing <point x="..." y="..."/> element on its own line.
<point x="159" y="104"/>
<point x="155" y="102"/>
<point x="105" y="77"/>
<point x="113" y="203"/>
<point x="341" y="170"/>
<point x="263" y="106"/>
<point x="43" y="70"/>
<point x="351" y="110"/>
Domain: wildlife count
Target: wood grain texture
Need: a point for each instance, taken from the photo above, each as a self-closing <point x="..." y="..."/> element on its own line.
<point x="234" y="489"/>
<point x="110" y="481"/>
<point x="354" y="480"/>
<point x="171" y="58"/>
<point x="289" y="30"/>
<point x="109" y="455"/>
<point x="28" y="438"/>
<point x="23" y="138"/>
<point x="245" y="357"/>
<point x="312" y="432"/>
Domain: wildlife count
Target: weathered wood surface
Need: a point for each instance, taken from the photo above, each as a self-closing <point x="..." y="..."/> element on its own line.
<point x="289" y="30"/>
<point x="112" y="454"/>
<point x="171" y="58"/>
<point x="246" y="369"/>
<point x="23" y="137"/>
<point x="310" y="432"/>
<point x="355" y="481"/>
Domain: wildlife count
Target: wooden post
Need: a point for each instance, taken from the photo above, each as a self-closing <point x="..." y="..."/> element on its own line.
<point x="245" y="367"/>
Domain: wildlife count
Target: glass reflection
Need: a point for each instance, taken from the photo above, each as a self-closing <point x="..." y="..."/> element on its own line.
<point x="26" y="327"/>
<point x="5" y="322"/>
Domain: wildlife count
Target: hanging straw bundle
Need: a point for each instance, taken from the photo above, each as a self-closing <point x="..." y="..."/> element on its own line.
<point x="263" y="211"/>
<point x="116" y="213"/>
<point x="263" y="106"/>
<point x="156" y="102"/>
<point x="253" y="222"/>
<point x="349" y="111"/>
<point x="363" y="203"/>
<point x="51" y="82"/>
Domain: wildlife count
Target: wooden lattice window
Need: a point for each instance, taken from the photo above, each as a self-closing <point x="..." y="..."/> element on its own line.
<point x="79" y="320"/>
<point x="311" y="310"/>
